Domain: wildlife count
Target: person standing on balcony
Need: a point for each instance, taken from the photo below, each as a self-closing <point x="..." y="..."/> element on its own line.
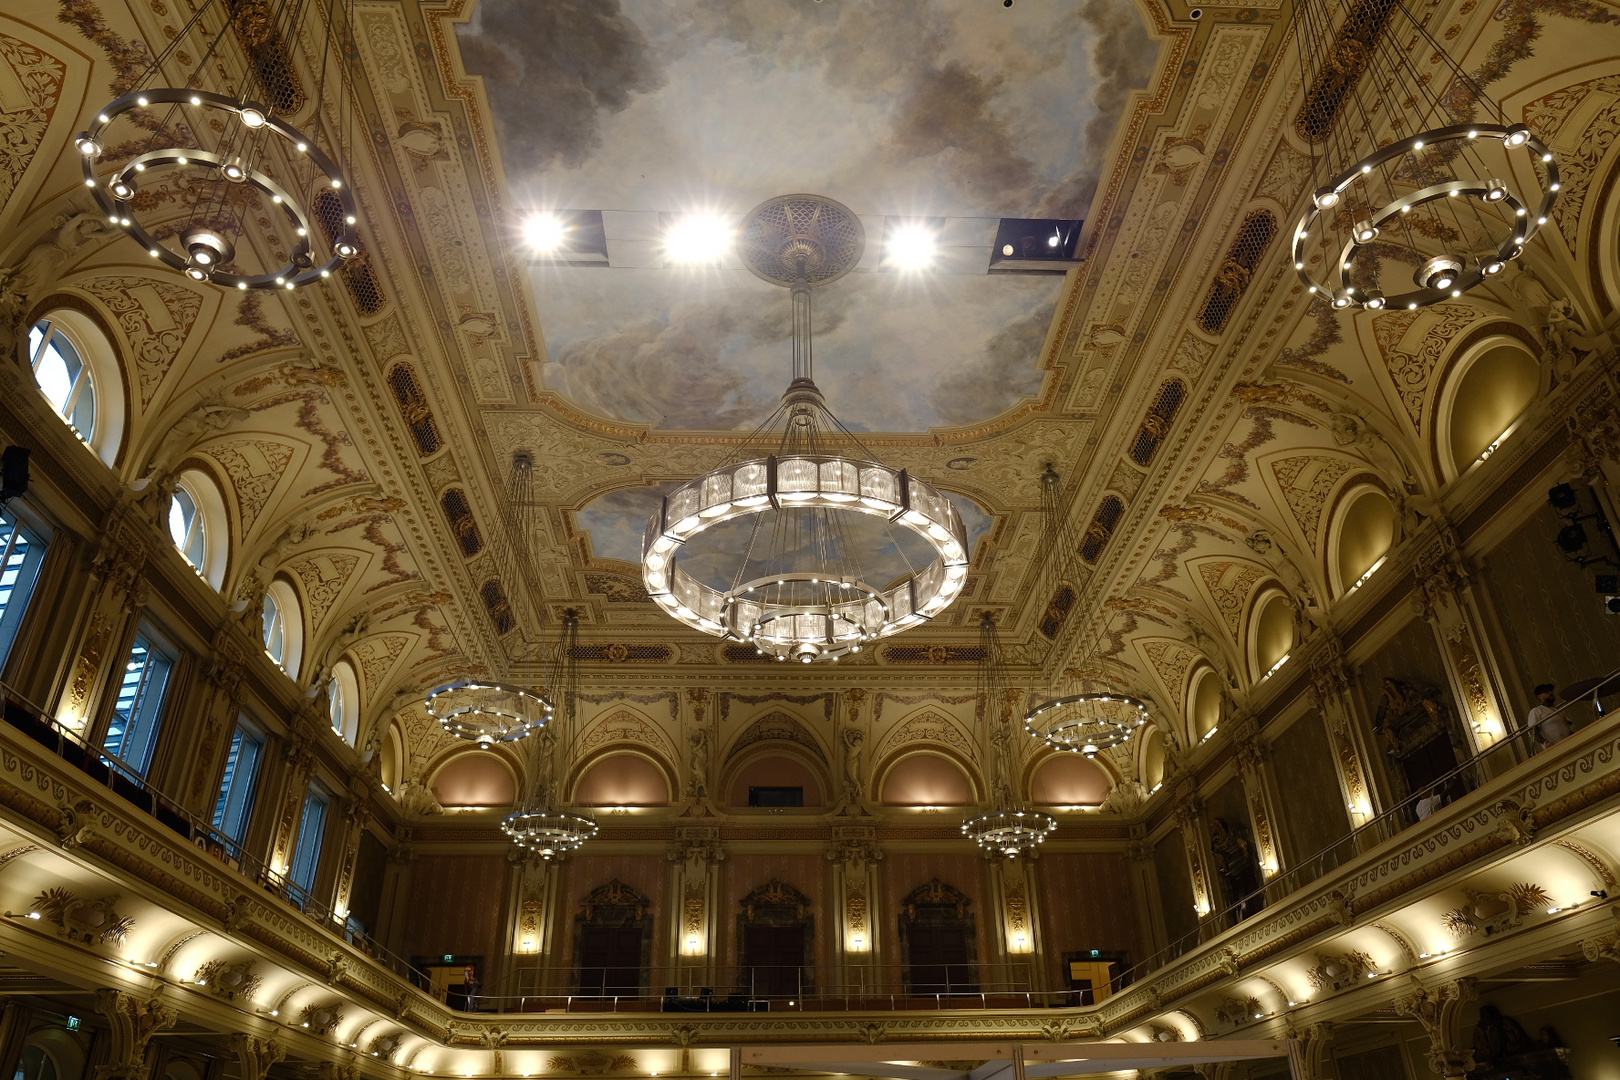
<point x="1549" y="724"/>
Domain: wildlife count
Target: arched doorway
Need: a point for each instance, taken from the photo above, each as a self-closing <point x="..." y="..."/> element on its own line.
<point x="776" y="932"/>
<point x="612" y="941"/>
<point x="937" y="940"/>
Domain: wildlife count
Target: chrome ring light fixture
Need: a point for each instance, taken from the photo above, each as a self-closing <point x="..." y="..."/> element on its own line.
<point x="542" y="824"/>
<point x="549" y="833"/>
<point x="800" y="589"/>
<point x="1086" y="723"/>
<point x="229" y="155"/>
<point x="1416" y="177"/>
<point x="1009" y="832"/>
<point x="488" y="712"/>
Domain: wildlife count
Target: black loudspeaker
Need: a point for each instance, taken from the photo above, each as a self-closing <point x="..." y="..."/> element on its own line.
<point x="13" y="472"/>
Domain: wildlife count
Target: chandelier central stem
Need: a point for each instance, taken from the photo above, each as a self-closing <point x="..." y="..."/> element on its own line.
<point x="802" y="359"/>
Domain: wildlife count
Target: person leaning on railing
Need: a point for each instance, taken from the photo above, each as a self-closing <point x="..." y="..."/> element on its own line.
<point x="1549" y="723"/>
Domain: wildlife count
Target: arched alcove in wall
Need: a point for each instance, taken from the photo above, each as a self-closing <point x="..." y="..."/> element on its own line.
<point x="622" y="779"/>
<point x="1204" y="704"/>
<point x="1271" y="631"/>
<point x="1362" y="532"/>
<point x="1485" y="394"/>
<point x="1068" y="780"/>
<point x="770" y="778"/>
<point x="1153" y="759"/>
<point x="924" y="778"/>
<point x="474" y="778"/>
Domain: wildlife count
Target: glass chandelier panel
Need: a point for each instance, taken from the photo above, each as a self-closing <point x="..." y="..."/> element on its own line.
<point x="1424" y="187"/>
<point x="1094" y="717"/>
<point x="541" y="824"/>
<point x="802" y="549"/>
<point x="205" y="142"/>
<point x="1008" y="828"/>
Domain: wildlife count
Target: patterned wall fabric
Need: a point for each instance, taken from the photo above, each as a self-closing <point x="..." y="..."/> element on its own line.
<point x="1312" y="815"/>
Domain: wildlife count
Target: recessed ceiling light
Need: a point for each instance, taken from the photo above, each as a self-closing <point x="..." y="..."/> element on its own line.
<point x="697" y="238"/>
<point x="912" y="247"/>
<point x="544" y="232"/>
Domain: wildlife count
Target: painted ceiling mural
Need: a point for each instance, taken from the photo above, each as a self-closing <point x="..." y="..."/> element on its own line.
<point x="949" y="110"/>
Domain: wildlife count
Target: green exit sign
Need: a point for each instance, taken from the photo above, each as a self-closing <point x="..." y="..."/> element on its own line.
<point x="449" y="958"/>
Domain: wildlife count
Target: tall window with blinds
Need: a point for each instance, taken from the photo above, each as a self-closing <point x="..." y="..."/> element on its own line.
<point x="236" y="791"/>
<point x="132" y="732"/>
<point x="311" y="834"/>
<point x="21" y="551"/>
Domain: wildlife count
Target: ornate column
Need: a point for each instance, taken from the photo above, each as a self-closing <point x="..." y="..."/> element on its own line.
<point x="854" y="855"/>
<point x="1014" y="888"/>
<point x="1308" y="1052"/>
<point x="131" y="1023"/>
<point x="532" y="899"/>
<point x="1446" y="600"/>
<point x="216" y="720"/>
<point x="1252" y="756"/>
<point x="117" y="595"/>
<point x="695" y="860"/>
<point x="254" y="1055"/>
<point x="1330" y="693"/>
<point x="300" y="758"/>
<point x="1189" y="815"/>
<point x="1440" y="1010"/>
<point x="355" y="820"/>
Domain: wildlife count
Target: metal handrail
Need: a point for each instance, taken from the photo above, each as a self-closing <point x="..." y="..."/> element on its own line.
<point x="1382" y="826"/>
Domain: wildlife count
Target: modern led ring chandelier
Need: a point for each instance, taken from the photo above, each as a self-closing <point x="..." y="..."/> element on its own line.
<point x="812" y="553"/>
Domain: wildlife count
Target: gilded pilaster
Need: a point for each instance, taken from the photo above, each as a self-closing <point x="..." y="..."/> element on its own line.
<point x="1329" y="691"/>
<point x="1252" y="761"/>
<point x="854" y="855"/>
<point x="1446" y="601"/>
<point x="695" y="860"/>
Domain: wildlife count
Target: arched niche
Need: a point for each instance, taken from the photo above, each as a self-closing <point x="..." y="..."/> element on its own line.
<point x="52" y="1053"/>
<point x="1068" y="780"/>
<point x="1484" y="396"/>
<point x="613" y="941"/>
<point x="474" y="778"/>
<point x="779" y="771"/>
<point x="393" y="753"/>
<point x="923" y="778"/>
<point x="1271" y="631"/>
<point x="1153" y="759"/>
<point x="622" y="779"/>
<point x="938" y="941"/>
<point x="1362" y="532"/>
<point x="1205" y="703"/>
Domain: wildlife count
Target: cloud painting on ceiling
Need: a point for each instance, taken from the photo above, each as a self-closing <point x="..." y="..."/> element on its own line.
<point x="957" y="109"/>
<point x="617" y="520"/>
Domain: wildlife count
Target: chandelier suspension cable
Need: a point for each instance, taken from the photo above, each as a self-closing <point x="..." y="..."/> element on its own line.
<point x="1009" y="827"/>
<point x="1095" y="716"/>
<point x="541" y="824"/>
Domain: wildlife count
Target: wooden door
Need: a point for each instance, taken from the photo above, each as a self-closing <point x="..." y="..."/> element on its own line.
<point x="610" y="960"/>
<point x="775" y="964"/>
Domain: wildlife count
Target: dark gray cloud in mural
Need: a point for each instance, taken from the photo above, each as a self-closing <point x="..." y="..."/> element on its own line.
<point x="551" y="69"/>
<point x="1004" y="375"/>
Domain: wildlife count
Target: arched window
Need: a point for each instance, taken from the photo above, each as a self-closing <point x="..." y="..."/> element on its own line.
<point x="75" y="369"/>
<point x="1242" y="258"/>
<point x="1205" y="705"/>
<point x="283" y="627"/>
<point x="343" y="701"/>
<point x="197" y="524"/>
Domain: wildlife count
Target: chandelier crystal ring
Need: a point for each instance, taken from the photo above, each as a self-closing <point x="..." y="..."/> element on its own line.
<point x="1087" y="723"/>
<point x="1008" y="832"/>
<point x="488" y="712"/>
<point x="1364" y="193"/>
<point x="549" y="833"/>
<point x="805" y="615"/>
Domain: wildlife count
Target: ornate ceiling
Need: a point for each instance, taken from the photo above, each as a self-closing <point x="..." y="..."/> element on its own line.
<point x="342" y="416"/>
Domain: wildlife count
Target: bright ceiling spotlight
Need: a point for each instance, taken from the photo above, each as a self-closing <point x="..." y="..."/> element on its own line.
<point x="697" y="238"/>
<point x="544" y="232"/>
<point x="912" y="247"/>
<point x="1456" y="200"/>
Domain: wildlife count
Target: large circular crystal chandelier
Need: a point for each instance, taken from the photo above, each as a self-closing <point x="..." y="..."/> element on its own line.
<point x="1424" y="187"/>
<point x="204" y="142"/>
<point x="806" y="517"/>
<point x="1008" y="828"/>
<point x="542" y="824"/>
<point x="1094" y="718"/>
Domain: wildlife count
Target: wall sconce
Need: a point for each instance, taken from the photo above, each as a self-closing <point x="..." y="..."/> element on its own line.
<point x="857" y="943"/>
<point x="1020" y="942"/>
<point x="694" y="945"/>
<point x="528" y="946"/>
